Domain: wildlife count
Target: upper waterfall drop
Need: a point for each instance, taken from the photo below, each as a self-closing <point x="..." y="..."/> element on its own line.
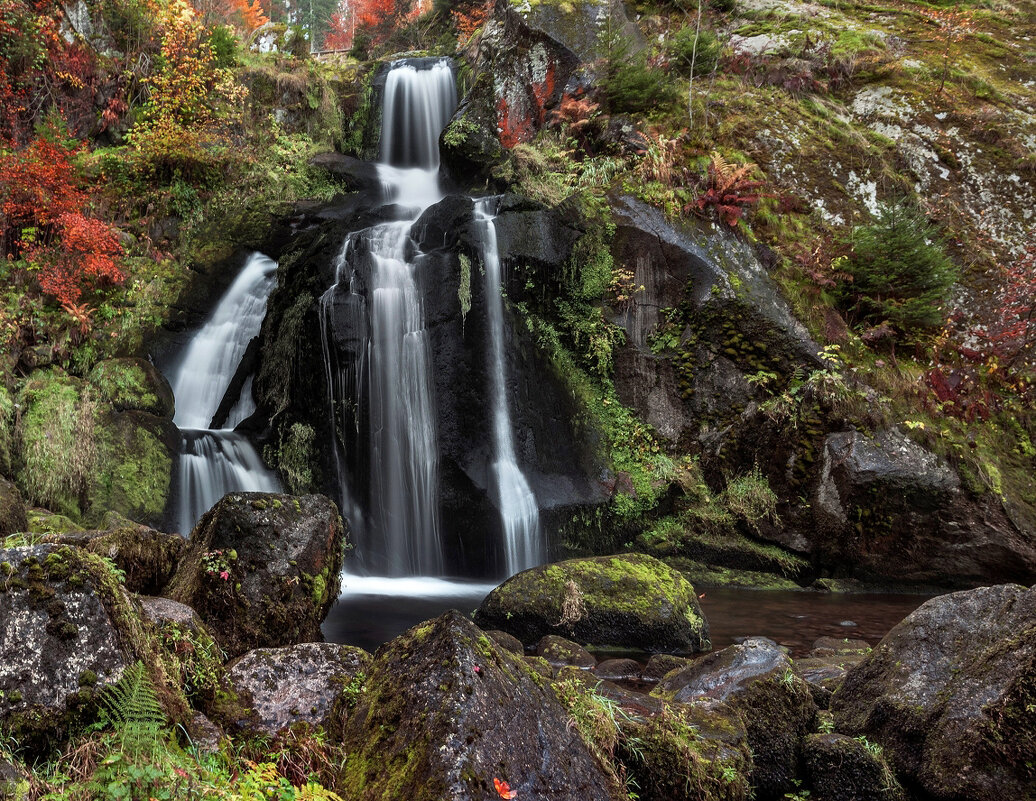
<point x="381" y="390"/>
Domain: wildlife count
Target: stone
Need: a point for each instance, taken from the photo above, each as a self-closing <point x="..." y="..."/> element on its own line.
<point x="840" y="768"/>
<point x="629" y="601"/>
<point x="824" y="674"/>
<point x="133" y="384"/>
<point x="262" y="569"/>
<point x="756" y="678"/>
<point x="558" y="651"/>
<point x="834" y="646"/>
<point x="661" y="664"/>
<point x="949" y="695"/>
<point x="445" y="712"/>
<point x="13" y="516"/>
<point x="295" y="684"/>
<point x="698" y="750"/>
<point x="147" y="557"/>
<point x="506" y="641"/>
<point x="618" y="669"/>
<point x="67" y="629"/>
<point x="206" y="736"/>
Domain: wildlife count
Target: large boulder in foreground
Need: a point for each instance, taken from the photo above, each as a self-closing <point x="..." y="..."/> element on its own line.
<point x="263" y="569"/>
<point x="445" y="712"/>
<point x="67" y="629"/>
<point x="629" y="601"/>
<point x="755" y="678"/>
<point x="296" y="684"/>
<point x="949" y="695"/>
<point x="841" y="768"/>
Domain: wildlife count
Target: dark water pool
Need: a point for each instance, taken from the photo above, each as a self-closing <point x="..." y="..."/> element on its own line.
<point x="372" y="611"/>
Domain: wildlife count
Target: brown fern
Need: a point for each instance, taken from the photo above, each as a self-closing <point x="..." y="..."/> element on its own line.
<point x="729" y="189"/>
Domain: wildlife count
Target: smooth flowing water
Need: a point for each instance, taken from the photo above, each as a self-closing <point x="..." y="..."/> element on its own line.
<point x="214" y="462"/>
<point x="519" y="513"/>
<point x="387" y="383"/>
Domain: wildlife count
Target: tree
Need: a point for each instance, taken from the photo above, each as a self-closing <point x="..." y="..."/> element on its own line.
<point x="901" y="274"/>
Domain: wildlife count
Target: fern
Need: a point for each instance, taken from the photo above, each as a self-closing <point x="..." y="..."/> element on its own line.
<point x="135" y="712"/>
<point x="729" y="189"/>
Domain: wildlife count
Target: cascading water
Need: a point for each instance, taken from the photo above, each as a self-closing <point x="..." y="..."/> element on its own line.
<point x="214" y="462"/>
<point x="387" y="384"/>
<point x="518" y="510"/>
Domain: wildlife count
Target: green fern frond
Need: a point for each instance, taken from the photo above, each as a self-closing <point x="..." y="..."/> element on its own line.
<point x="134" y="710"/>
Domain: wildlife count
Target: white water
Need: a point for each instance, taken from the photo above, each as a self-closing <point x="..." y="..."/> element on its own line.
<point x="391" y="377"/>
<point x="410" y="587"/>
<point x="518" y="510"/>
<point x="215" y="462"/>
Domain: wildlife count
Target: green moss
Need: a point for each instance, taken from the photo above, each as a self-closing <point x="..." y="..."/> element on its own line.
<point x="134" y="473"/>
<point x="295" y="458"/>
<point x="464" y="287"/>
<point x="123" y="385"/>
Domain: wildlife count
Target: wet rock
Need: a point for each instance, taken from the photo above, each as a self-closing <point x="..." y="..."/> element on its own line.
<point x="559" y="651"/>
<point x="13" y="784"/>
<point x="949" y="692"/>
<point x="698" y="750"/>
<point x="133" y="384"/>
<point x="12" y="509"/>
<point x="445" y="712"/>
<point x="661" y="664"/>
<point x="263" y="569"/>
<point x="840" y="768"/>
<point x="67" y="629"/>
<point x="148" y="558"/>
<point x="506" y="641"/>
<point x="824" y="674"/>
<point x="833" y="646"/>
<point x="299" y="683"/>
<point x="918" y="525"/>
<point x="206" y="736"/>
<point x="630" y="601"/>
<point x="630" y="702"/>
<point x="354" y="173"/>
<point x="618" y="669"/>
<point x="541" y="666"/>
<point x="756" y="678"/>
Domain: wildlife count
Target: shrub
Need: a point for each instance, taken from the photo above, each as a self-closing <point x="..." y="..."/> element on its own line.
<point x="901" y="273"/>
<point x="630" y="85"/>
<point x="703" y="57"/>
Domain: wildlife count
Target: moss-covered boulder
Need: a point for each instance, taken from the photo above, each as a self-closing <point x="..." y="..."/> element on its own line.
<point x="43" y="521"/>
<point x="12" y="509"/>
<point x="80" y="457"/>
<point x="756" y="678"/>
<point x="660" y="664"/>
<point x="949" y="694"/>
<point x="629" y="601"/>
<point x="263" y="569"/>
<point x="147" y="558"/>
<point x="618" y="670"/>
<point x="297" y="684"/>
<point x="698" y="750"/>
<point x="840" y="768"/>
<point x="560" y="652"/>
<point x="67" y="629"/>
<point x="445" y="712"/>
<point x="132" y="384"/>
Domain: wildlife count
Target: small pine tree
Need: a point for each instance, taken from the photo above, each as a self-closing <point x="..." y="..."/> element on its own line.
<point x="901" y="273"/>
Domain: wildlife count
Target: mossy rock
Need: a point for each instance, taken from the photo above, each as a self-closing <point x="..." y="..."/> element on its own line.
<point x="43" y="521"/>
<point x="133" y="384"/>
<point x="12" y="509"/>
<point x="445" y="712"/>
<point x="629" y="601"/>
<point x="68" y="630"/>
<point x="755" y="678"/>
<point x="146" y="557"/>
<point x="949" y="695"/>
<point x="697" y="750"/>
<point x="262" y="569"/>
<point x="840" y="768"/>
<point x="558" y="651"/>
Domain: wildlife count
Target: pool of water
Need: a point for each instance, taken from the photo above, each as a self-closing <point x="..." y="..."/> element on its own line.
<point x="371" y="611"/>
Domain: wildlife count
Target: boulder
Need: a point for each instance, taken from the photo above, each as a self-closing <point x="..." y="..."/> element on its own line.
<point x="67" y="629"/>
<point x="630" y="601"/>
<point x="840" y="768"/>
<point x="897" y="511"/>
<point x="756" y="678"/>
<point x="445" y="712"/>
<point x="12" y="509"/>
<point x="296" y="684"/>
<point x="949" y="695"/>
<point x="133" y="384"/>
<point x="824" y="674"/>
<point x="506" y="641"/>
<point x="147" y="558"/>
<point x="618" y="669"/>
<point x="558" y="651"/>
<point x="698" y="750"/>
<point x="13" y="782"/>
<point x="661" y="664"/>
<point x="262" y="569"/>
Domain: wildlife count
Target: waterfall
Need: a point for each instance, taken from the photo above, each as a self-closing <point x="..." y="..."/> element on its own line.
<point x="215" y="462"/>
<point x="374" y="315"/>
<point x="517" y="504"/>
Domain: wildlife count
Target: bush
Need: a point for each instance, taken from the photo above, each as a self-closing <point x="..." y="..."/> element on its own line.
<point x="630" y="85"/>
<point x="901" y="273"/>
<point x="703" y="57"/>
